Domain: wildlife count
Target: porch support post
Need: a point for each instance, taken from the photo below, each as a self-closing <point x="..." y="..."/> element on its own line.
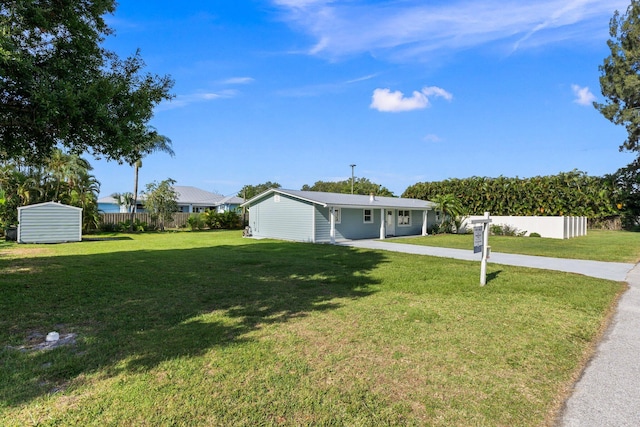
<point x="424" y="222"/>
<point x="383" y="224"/>
<point x="332" y="231"/>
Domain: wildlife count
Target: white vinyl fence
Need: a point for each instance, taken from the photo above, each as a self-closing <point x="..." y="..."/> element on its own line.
<point x="555" y="227"/>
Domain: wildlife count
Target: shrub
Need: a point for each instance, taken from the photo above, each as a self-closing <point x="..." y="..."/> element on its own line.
<point x="108" y="227"/>
<point x="535" y="235"/>
<point x="137" y="226"/>
<point x="210" y="219"/>
<point x="505" y="230"/>
<point x="229" y="220"/>
<point x="196" y="221"/>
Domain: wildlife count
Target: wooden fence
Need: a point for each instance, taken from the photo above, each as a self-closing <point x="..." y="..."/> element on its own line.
<point x="179" y="219"/>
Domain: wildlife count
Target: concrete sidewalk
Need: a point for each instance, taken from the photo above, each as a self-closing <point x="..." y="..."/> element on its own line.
<point x="608" y="393"/>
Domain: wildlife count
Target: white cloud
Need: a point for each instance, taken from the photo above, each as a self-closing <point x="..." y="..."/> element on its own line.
<point x="432" y="138"/>
<point x="393" y="102"/>
<point x="409" y="29"/>
<point x="181" y="101"/>
<point x="362" y="79"/>
<point x="238" y="81"/>
<point x="437" y="91"/>
<point x="583" y="95"/>
<point x="387" y="101"/>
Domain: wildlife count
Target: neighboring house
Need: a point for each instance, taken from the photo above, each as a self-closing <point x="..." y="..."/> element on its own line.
<point x="190" y="199"/>
<point x="311" y="216"/>
<point x="49" y="222"/>
<point x="109" y="205"/>
<point x="229" y="204"/>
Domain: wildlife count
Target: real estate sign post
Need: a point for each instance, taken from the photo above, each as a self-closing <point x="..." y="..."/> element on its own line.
<point x="481" y="244"/>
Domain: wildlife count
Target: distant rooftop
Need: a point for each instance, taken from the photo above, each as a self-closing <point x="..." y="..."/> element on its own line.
<point x="187" y="195"/>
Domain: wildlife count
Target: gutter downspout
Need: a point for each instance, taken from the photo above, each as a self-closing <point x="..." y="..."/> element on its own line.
<point x="332" y="231"/>
<point x="425" y="214"/>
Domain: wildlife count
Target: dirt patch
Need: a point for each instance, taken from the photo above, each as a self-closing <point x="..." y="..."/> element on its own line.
<point x="22" y="251"/>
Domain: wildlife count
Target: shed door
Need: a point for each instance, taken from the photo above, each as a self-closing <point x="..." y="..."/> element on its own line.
<point x="391" y="224"/>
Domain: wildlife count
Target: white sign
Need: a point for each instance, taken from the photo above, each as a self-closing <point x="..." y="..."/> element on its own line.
<point x="477" y="240"/>
<point x="484" y="246"/>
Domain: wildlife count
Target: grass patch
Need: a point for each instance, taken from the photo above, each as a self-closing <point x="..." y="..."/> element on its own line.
<point x="597" y="245"/>
<point x="212" y="329"/>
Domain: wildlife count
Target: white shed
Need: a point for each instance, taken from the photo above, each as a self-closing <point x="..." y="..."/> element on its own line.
<point x="49" y="222"/>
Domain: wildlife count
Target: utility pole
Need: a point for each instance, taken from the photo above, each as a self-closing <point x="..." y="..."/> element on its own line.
<point x="352" y="166"/>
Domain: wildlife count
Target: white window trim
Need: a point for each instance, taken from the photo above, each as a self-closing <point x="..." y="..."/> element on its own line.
<point x="401" y="216"/>
<point x="364" y="216"/>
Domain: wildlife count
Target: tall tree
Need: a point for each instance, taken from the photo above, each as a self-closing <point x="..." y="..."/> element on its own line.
<point x="156" y="143"/>
<point x="626" y="182"/>
<point x="124" y="200"/>
<point x="249" y="191"/>
<point x="360" y="186"/>
<point x="60" y="88"/>
<point x="161" y="200"/>
<point x="65" y="169"/>
<point x="620" y="75"/>
<point x="63" y="177"/>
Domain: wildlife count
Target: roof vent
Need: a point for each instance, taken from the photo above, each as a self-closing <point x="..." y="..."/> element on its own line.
<point x="372" y="197"/>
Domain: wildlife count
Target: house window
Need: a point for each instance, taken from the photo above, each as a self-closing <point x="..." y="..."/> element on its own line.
<point x="368" y="216"/>
<point x="337" y="214"/>
<point x="404" y="217"/>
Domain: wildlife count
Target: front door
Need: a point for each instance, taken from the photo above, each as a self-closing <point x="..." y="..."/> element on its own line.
<point x="391" y="223"/>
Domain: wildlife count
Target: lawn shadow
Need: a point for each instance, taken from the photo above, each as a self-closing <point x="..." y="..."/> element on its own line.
<point x="134" y="310"/>
<point x="493" y="275"/>
<point x="105" y="239"/>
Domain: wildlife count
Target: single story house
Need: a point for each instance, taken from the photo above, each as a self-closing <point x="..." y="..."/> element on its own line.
<point x="190" y="199"/>
<point x="229" y="204"/>
<point x="312" y="216"/>
<point x="49" y="222"/>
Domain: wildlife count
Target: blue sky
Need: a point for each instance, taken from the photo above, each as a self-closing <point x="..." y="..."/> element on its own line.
<point x="294" y="91"/>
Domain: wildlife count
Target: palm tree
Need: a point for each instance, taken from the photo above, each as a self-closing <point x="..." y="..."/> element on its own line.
<point x="65" y="169"/>
<point x="154" y="143"/>
<point x="124" y="199"/>
<point x="449" y="206"/>
<point x="84" y="194"/>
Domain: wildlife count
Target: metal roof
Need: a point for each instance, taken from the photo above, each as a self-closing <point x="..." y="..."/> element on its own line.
<point x="350" y="200"/>
<point x="194" y="196"/>
<point x="232" y="200"/>
<point x="187" y="195"/>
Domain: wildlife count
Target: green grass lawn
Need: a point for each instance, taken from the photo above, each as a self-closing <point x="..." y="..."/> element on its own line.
<point x="212" y="329"/>
<point x="597" y="245"/>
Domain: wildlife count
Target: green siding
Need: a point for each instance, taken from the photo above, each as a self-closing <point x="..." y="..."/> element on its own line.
<point x="323" y="225"/>
<point x="351" y="226"/>
<point x="288" y="219"/>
